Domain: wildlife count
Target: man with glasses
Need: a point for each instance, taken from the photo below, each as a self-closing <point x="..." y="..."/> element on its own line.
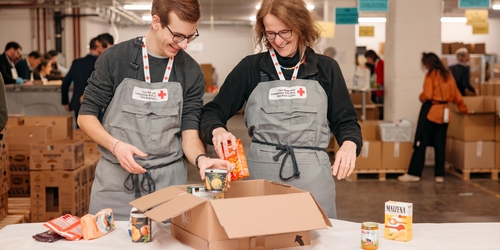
<point x="8" y="60"/>
<point x="152" y="91"/>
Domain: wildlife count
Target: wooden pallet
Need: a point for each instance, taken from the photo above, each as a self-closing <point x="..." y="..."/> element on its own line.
<point x="20" y="206"/>
<point x="382" y="173"/>
<point x="465" y="173"/>
<point x="11" y="219"/>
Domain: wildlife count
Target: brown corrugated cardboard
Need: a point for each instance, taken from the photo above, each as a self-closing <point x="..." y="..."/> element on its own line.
<point x="59" y="154"/>
<point x="479" y="48"/>
<point x="20" y="137"/>
<point x="497" y="154"/>
<point x="4" y="173"/>
<point x="370" y="130"/>
<point x="357" y="97"/>
<point x="62" y="125"/>
<point x="4" y="140"/>
<point x="474" y="154"/>
<point x="4" y="205"/>
<point x="78" y="134"/>
<point x="396" y="155"/>
<point x="19" y="184"/>
<point x="455" y="46"/>
<point x="372" y="112"/>
<point x="55" y="193"/>
<point x="370" y="156"/>
<point x="446" y="48"/>
<point x="252" y="208"/>
<point x="478" y="124"/>
<point x="497" y="118"/>
<point x="450" y="156"/>
<point x="90" y="148"/>
<point x="19" y="161"/>
<point x="15" y="120"/>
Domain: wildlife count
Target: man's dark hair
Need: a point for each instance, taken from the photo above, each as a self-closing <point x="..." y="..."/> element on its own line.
<point x="92" y="44"/>
<point x="106" y="39"/>
<point x="14" y="45"/>
<point x="371" y="54"/>
<point x="52" y="53"/>
<point x="35" y="54"/>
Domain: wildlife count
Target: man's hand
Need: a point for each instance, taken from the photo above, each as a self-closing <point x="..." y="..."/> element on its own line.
<point x="220" y="138"/>
<point x="345" y="160"/>
<point x="125" y="152"/>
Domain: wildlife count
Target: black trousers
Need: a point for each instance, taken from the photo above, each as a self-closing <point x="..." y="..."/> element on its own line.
<point x="436" y="133"/>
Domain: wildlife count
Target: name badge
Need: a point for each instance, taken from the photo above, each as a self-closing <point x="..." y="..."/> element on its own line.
<point x="150" y="95"/>
<point x="296" y="92"/>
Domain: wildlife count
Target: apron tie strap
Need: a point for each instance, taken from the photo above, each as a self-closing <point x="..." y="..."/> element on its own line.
<point x="147" y="182"/>
<point x="287" y="150"/>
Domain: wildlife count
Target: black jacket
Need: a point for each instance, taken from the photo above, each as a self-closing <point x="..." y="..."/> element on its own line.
<point x="23" y="70"/>
<point x="5" y="69"/>
<point x="240" y="83"/>
<point x="79" y="73"/>
<point x="461" y="73"/>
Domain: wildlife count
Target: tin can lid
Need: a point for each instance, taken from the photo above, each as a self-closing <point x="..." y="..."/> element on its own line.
<point x="369" y="224"/>
<point x="215" y="170"/>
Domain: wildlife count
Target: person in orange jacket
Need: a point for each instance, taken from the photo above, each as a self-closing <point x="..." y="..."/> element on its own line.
<point x="439" y="90"/>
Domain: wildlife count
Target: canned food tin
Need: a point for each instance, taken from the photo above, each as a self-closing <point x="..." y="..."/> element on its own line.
<point x="369" y="235"/>
<point x="139" y="226"/>
<point x="215" y="180"/>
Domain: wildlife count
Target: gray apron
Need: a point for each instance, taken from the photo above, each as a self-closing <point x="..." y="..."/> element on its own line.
<point x="287" y="130"/>
<point x="154" y="127"/>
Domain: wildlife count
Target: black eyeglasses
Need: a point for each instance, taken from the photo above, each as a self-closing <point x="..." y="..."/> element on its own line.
<point x="178" y="38"/>
<point x="285" y="34"/>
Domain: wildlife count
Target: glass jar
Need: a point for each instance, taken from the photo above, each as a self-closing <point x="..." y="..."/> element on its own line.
<point x="369" y="235"/>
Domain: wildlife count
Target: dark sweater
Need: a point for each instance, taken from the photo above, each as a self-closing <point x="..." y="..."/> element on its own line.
<point x="79" y="73"/>
<point x="240" y="83"/>
<point x="112" y="67"/>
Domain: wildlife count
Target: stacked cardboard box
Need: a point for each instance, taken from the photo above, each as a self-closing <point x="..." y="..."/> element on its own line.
<point x="372" y="112"/>
<point x="4" y="175"/>
<point x="451" y="48"/>
<point x="497" y="131"/>
<point x="62" y="125"/>
<point x="90" y="147"/>
<point x="471" y="142"/>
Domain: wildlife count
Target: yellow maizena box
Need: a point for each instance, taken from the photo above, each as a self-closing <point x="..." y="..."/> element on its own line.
<point x="398" y="221"/>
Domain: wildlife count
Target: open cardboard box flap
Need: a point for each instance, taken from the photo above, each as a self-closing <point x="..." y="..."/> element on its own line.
<point x="244" y="216"/>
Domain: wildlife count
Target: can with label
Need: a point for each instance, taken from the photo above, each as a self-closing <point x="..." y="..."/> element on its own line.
<point x="139" y="226"/>
<point x="215" y="180"/>
<point x="369" y="235"/>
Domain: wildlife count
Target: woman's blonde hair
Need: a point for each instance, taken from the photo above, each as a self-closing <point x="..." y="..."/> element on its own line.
<point x="294" y="14"/>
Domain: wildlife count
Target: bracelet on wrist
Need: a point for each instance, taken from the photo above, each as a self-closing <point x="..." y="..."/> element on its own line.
<point x="198" y="157"/>
<point x="114" y="146"/>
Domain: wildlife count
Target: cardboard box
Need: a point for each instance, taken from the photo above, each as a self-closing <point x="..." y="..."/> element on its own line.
<point x="78" y="134"/>
<point x="357" y="97"/>
<point x="207" y="73"/>
<point x="90" y="148"/>
<point x="497" y="119"/>
<point x="4" y="173"/>
<point x="4" y="206"/>
<point x="446" y="48"/>
<point x="55" y="193"/>
<point x="62" y="125"/>
<point x="370" y="156"/>
<point x="19" y="161"/>
<point x="372" y="112"/>
<point x="396" y="155"/>
<point x="254" y="213"/>
<point x="450" y="156"/>
<point x="4" y="138"/>
<point x="479" y="48"/>
<point x="474" y="154"/>
<point x="370" y="130"/>
<point x="20" y="137"/>
<point x="455" y="46"/>
<point x="497" y="154"/>
<point x="59" y="154"/>
<point x="19" y="184"/>
<point x="398" y="221"/>
<point x="15" y="120"/>
<point x="478" y="124"/>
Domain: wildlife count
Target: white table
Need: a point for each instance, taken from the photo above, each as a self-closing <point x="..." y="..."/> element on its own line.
<point x="343" y="235"/>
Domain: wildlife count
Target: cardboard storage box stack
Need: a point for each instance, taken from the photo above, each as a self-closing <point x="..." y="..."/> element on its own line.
<point x="255" y="214"/>
<point x="397" y="147"/>
<point x="89" y="147"/>
<point x="4" y="174"/>
<point x="58" y="178"/>
<point x="497" y="131"/>
<point x="15" y="120"/>
<point x="472" y="136"/>
<point x="372" y="112"/>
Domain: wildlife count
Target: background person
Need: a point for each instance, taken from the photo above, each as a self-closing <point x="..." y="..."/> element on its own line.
<point x="439" y="89"/>
<point x="330" y="51"/>
<point x="25" y="67"/>
<point x="153" y="93"/>
<point x="43" y="71"/>
<point x="8" y="60"/>
<point x="289" y="132"/>
<point x="461" y="72"/>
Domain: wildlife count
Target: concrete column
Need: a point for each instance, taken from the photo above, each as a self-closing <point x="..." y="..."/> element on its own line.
<point x="412" y="27"/>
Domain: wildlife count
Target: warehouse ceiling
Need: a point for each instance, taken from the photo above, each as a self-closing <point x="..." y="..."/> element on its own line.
<point x="213" y="11"/>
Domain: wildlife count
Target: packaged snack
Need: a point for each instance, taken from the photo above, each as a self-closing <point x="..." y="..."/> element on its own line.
<point x="67" y="226"/>
<point x="239" y="162"/>
<point x="47" y="236"/>
<point x="95" y="226"/>
<point x="398" y="221"/>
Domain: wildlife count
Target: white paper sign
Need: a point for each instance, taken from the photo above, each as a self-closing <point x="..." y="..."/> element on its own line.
<point x="150" y="95"/>
<point x="296" y="92"/>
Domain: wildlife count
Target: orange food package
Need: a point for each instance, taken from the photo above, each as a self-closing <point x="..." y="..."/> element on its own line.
<point x="239" y="162"/>
<point x="67" y="226"/>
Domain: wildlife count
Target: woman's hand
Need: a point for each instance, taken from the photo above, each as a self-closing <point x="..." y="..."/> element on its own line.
<point x="345" y="160"/>
<point x="220" y="139"/>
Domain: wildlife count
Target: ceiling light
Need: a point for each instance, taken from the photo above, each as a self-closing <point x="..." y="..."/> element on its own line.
<point x="310" y="6"/>
<point x="372" y="20"/>
<point x="257" y="7"/>
<point x="137" y="6"/>
<point x="496" y="7"/>
<point x="147" y="18"/>
<point x="252" y="18"/>
<point x="453" y="19"/>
